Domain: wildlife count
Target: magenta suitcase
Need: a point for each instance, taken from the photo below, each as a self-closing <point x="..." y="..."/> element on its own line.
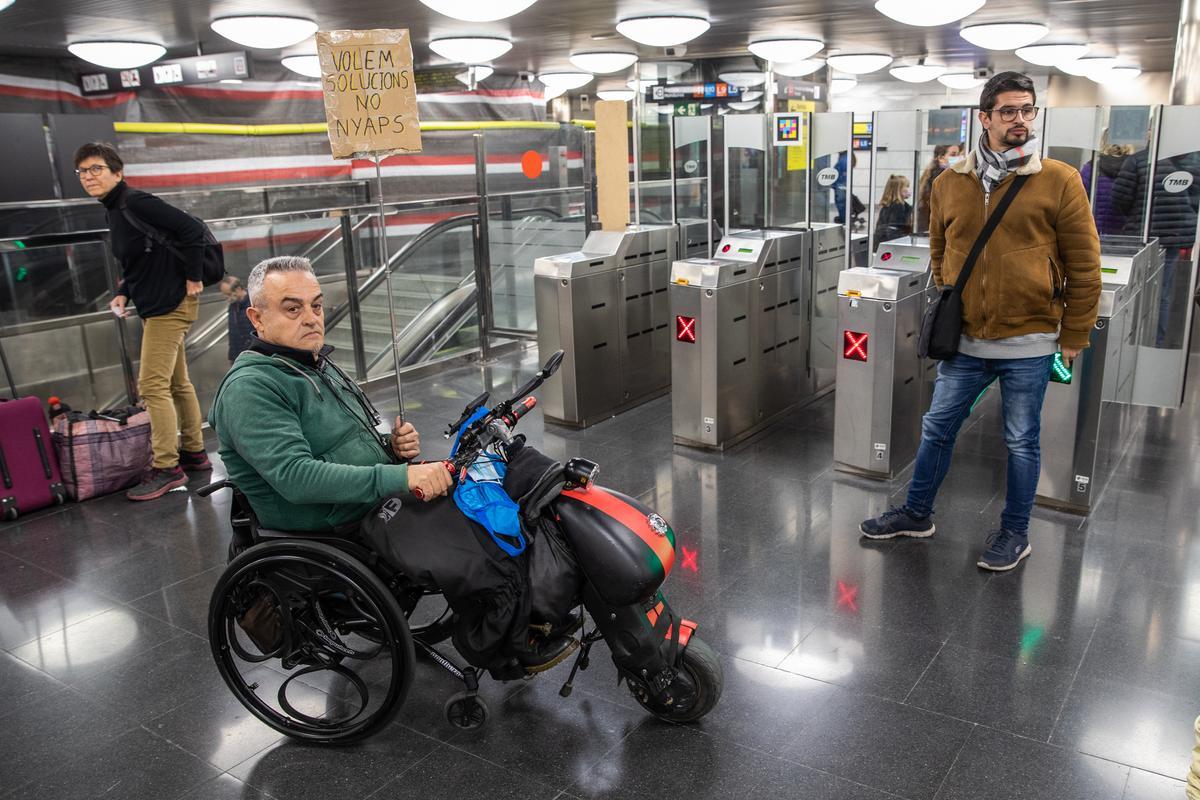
<point x="29" y="474"/>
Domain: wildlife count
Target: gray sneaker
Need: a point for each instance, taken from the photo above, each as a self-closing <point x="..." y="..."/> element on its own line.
<point x="158" y="482"/>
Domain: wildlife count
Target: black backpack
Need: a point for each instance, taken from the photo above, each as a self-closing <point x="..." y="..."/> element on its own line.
<point x="213" y="260"/>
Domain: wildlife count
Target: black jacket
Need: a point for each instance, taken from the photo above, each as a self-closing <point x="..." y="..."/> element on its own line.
<point x="1173" y="214"/>
<point x="894" y="221"/>
<point x="240" y="329"/>
<point x="154" y="278"/>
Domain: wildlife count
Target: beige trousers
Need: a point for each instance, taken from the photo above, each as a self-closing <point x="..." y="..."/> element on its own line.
<point x="1193" y="777"/>
<point x="164" y="385"/>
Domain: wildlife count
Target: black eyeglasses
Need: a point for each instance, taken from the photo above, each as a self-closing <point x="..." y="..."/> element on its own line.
<point x="94" y="170"/>
<point x="1009" y="114"/>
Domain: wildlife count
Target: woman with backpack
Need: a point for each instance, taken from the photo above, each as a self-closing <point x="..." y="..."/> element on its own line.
<point x="163" y="275"/>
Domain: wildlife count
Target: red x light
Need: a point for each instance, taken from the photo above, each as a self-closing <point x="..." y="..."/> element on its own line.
<point x="685" y="329"/>
<point x="854" y="345"/>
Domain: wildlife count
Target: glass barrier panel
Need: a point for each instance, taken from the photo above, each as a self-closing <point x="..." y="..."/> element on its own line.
<point x="41" y="283"/>
<point x="895" y="169"/>
<point x="746" y="182"/>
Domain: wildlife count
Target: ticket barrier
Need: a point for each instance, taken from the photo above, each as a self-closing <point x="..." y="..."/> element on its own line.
<point x="606" y="307"/>
<point x="740" y="346"/>
<point x="1091" y="400"/>
<point x="883" y="387"/>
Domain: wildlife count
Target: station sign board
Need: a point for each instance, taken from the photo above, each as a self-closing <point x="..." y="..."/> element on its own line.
<point x="172" y="72"/>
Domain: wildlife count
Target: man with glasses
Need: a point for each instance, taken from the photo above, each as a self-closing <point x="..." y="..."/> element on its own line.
<point x="1034" y="291"/>
<point x="165" y="292"/>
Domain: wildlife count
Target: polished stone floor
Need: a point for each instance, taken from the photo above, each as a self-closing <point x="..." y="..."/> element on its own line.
<point x="853" y="669"/>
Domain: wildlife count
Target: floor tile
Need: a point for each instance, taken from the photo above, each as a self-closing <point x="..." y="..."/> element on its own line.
<point x="1144" y="785"/>
<point x="224" y="787"/>
<point x="146" y="571"/>
<point x="183" y="604"/>
<point x="134" y="766"/>
<point x="450" y="774"/>
<point x="22" y="684"/>
<point x="1002" y="692"/>
<point x="1002" y="766"/>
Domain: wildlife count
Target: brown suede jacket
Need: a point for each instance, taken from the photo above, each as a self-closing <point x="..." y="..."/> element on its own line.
<point x="1040" y="271"/>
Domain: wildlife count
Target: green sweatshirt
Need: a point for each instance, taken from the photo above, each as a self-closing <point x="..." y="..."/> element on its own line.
<point x="304" y="460"/>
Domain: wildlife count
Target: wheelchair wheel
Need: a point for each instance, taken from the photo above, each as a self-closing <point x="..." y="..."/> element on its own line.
<point x="310" y="641"/>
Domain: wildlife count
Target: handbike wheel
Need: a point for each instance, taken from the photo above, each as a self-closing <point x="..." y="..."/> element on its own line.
<point x="337" y="662"/>
<point x="703" y="670"/>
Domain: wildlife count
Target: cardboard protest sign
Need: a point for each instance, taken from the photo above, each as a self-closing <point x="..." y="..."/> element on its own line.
<point x="612" y="164"/>
<point x="370" y="92"/>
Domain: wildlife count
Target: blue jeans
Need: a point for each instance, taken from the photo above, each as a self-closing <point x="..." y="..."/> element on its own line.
<point x="960" y="380"/>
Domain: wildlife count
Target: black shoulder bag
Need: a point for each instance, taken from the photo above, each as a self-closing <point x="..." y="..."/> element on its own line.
<point x="212" y="264"/>
<point x="941" y="327"/>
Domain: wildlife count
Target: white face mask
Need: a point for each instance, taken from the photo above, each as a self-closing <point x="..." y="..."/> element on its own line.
<point x="952" y="160"/>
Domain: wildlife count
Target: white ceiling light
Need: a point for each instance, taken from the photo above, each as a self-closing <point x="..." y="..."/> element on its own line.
<point x="265" y="32"/>
<point x="1092" y="66"/>
<point x="565" y="80"/>
<point x="670" y="70"/>
<point x="1047" y="55"/>
<point x="927" y="14"/>
<point x="553" y="92"/>
<point x="786" y="50"/>
<point x="961" y="80"/>
<point x="621" y="95"/>
<point x="307" y="65"/>
<point x="749" y="96"/>
<point x="799" y="69"/>
<point x="117" y="55"/>
<point x="859" y="63"/>
<point x="482" y="73"/>
<point x="918" y="73"/>
<point x="477" y="11"/>
<point x="470" y="49"/>
<point x="664" y="31"/>
<point x="1004" y="35"/>
<point x="603" y="63"/>
<point x="5" y="4"/>
<point x="1117" y="75"/>
<point x="842" y="85"/>
<point x="743" y="78"/>
<point x="744" y="106"/>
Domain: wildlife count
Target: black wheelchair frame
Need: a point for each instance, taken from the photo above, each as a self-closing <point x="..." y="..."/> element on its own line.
<point x="343" y="555"/>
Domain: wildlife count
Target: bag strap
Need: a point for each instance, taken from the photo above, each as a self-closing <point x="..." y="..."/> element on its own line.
<point x="150" y="232"/>
<point x="988" y="228"/>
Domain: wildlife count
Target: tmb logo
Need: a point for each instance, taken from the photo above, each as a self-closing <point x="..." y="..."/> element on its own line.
<point x="1177" y="182"/>
<point x="827" y="177"/>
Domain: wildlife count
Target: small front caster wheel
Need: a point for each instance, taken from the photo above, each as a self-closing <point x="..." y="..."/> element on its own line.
<point x="466" y="711"/>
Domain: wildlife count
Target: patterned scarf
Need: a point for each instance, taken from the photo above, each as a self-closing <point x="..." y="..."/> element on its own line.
<point x="994" y="167"/>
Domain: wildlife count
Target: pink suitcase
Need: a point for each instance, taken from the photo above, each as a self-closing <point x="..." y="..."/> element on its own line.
<point x="29" y="474"/>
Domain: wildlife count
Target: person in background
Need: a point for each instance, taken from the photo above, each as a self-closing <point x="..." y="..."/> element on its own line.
<point x="240" y="328"/>
<point x="166" y="294"/>
<point x="944" y="156"/>
<point x="895" y="212"/>
<point x="1108" y="165"/>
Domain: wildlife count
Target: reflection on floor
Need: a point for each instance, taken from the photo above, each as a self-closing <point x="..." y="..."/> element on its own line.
<point x="853" y="669"/>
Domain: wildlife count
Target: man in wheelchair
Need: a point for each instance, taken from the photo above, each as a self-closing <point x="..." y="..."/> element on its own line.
<point x="299" y="439"/>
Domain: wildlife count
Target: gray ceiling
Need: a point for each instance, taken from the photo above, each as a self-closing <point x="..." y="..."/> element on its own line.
<point x="544" y="35"/>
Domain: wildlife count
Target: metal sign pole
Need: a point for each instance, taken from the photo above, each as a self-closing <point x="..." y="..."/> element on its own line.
<point x="387" y="279"/>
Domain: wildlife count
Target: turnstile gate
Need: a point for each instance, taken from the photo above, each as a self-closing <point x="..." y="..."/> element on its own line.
<point x="883" y="387"/>
<point x="605" y="306"/>
<point x="1090" y="400"/>
<point x="739" y="353"/>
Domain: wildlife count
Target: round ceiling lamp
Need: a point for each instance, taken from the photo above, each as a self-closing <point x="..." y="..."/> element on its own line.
<point x="6" y="3"/>
<point x="743" y="78"/>
<point x="662" y="31"/>
<point x="751" y="96"/>
<point x="1117" y="75"/>
<point x="841" y="85"/>
<point x="786" y="51"/>
<point x="264" y="32"/>
<point x="1092" y="66"/>
<point x="481" y="73"/>
<point x="470" y="49"/>
<point x="308" y="65"/>
<point x="1049" y="55"/>
<point x="620" y="95"/>
<point x="1004" y="35"/>
<point x="603" y="63"/>
<point x="117" y="55"/>
<point x="961" y="80"/>
<point x="566" y="80"/>
<point x="744" y="105"/>
<point x="798" y="69"/>
<point x="918" y="73"/>
<point x="926" y="15"/>
<point x="859" y="63"/>
<point x="476" y="11"/>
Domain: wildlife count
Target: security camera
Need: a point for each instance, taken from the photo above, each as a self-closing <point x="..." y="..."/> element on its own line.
<point x="983" y="73"/>
<point x="676" y="51"/>
<point x="525" y="76"/>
